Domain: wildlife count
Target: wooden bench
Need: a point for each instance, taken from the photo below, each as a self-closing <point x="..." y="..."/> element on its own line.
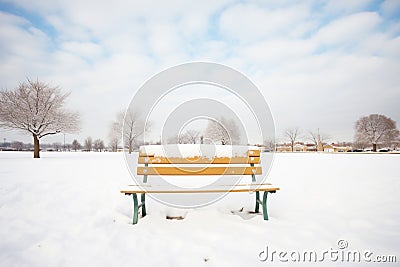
<point x="150" y="164"/>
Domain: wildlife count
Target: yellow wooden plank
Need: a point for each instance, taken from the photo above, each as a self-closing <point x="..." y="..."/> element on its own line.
<point x="253" y="185"/>
<point x="160" y="190"/>
<point x="143" y="154"/>
<point x="254" y="153"/>
<point x="199" y="170"/>
<point x="199" y="160"/>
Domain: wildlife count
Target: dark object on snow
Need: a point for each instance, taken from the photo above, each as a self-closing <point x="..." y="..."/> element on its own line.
<point x="174" y="217"/>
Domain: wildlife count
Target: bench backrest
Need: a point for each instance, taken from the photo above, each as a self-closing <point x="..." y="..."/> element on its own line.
<point x="250" y="164"/>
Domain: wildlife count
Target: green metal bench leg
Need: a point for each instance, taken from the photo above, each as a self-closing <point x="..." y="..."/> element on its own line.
<point x="142" y="203"/>
<point x="253" y="177"/>
<point x="253" y="180"/>
<point x="145" y="176"/>
<point x="257" y="209"/>
<point x="264" y="203"/>
<point x="135" y="209"/>
<point x="143" y="199"/>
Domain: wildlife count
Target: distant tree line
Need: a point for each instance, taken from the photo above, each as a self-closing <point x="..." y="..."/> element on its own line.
<point x="88" y="145"/>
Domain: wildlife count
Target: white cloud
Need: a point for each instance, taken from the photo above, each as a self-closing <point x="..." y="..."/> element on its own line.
<point x="273" y="53"/>
<point x="349" y="29"/>
<point x="86" y="50"/>
<point x="164" y="39"/>
<point x="6" y="18"/>
<point x="23" y="48"/>
<point x="210" y="51"/>
<point x="390" y="7"/>
<point x="248" y="22"/>
<point x="345" y="6"/>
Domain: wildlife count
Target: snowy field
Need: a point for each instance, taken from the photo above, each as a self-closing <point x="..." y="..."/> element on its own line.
<point x="65" y="209"/>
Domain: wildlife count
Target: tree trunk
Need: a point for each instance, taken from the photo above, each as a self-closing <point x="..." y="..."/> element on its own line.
<point x="374" y="147"/>
<point x="36" y="146"/>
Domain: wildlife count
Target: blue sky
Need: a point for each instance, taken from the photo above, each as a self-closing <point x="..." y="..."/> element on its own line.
<point x="320" y="64"/>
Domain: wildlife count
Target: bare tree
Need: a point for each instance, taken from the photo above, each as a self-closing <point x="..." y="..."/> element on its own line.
<point x="317" y="138"/>
<point x="102" y="146"/>
<point x="188" y="137"/>
<point x="38" y="109"/>
<point x="133" y="127"/>
<point x="375" y="129"/>
<point x="128" y="125"/>
<point x="57" y="146"/>
<point x="76" y="145"/>
<point x="292" y="134"/>
<point x="395" y="144"/>
<point x="98" y="145"/>
<point x="88" y="144"/>
<point x="224" y="131"/>
<point x="17" y="145"/>
<point x="270" y="145"/>
<point x="193" y="135"/>
<point x="114" y="143"/>
<point x="115" y="132"/>
<point x="183" y="139"/>
<point x="359" y="144"/>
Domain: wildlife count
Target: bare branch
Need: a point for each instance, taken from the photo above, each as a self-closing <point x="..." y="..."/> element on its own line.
<point x="224" y="131"/>
<point x="292" y="134"/>
<point x="318" y="139"/>
<point x="133" y="127"/>
<point x="189" y="137"/>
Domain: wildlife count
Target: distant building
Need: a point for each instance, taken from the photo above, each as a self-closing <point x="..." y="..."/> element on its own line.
<point x="301" y="147"/>
<point x="283" y="148"/>
<point x="298" y="147"/>
<point x="336" y="148"/>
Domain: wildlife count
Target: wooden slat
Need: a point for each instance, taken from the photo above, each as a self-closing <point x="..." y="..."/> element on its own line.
<point x="161" y="190"/>
<point x="198" y="170"/>
<point x="253" y="185"/>
<point x="143" y="154"/>
<point x="254" y="153"/>
<point x="199" y="160"/>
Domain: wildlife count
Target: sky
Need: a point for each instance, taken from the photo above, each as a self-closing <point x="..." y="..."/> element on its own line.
<point x="319" y="64"/>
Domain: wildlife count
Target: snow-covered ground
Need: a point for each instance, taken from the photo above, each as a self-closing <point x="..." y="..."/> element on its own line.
<point x="65" y="209"/>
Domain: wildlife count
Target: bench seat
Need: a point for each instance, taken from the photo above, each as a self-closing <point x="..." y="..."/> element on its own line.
<point x="132" y="189"/>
